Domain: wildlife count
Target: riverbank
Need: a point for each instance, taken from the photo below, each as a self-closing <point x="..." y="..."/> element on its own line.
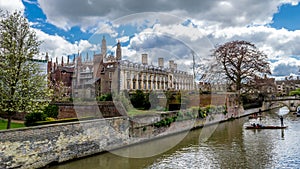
<point x="227" y="147"/>
<point x="40" y="146"/>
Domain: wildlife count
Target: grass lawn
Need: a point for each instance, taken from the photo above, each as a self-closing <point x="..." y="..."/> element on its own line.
<point x="3" y="124"/>
<point x="136" y="112"/>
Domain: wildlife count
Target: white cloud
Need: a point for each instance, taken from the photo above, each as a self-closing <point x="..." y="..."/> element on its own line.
<point x="217" y="22"/>
<point x="123" y="39"/>
<point x="58" y="47"/>
<point x="12" y="5"/>
<point x="106" y="28"/>
<point x="277" y="44"/>
<point x="225" y="13"/>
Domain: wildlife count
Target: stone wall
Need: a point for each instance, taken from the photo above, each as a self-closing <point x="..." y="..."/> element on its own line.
<point x="206" y="99"/>
<point x="89" y="109"/>
<point x="36" y="147"/>
<point x="99" y="109"/>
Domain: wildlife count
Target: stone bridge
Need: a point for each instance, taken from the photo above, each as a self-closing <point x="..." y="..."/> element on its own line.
<point x="291" y="102"/>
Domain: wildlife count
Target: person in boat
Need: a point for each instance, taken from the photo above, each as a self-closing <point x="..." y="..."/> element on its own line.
<point x="259" y="111"/>
<point x="298" y="111"/>
<point x="281" y="120"/>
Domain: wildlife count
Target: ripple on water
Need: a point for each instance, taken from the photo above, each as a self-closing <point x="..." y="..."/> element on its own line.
<point x="188" y="157"/>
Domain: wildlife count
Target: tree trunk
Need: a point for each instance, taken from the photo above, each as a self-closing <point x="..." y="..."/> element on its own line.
<point x="9" y="121"/>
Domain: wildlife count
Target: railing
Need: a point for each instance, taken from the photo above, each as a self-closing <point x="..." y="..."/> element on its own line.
<point x="283" y="98"/>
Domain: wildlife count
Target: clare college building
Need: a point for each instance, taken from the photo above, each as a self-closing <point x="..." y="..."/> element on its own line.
<point x="102" y="74"/>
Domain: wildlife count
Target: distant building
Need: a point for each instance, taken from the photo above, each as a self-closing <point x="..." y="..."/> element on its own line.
<point x="288" y="84"/>
<point x="147" y="77"/>
<point x="60" y="76"/>
<point x="265" y="85"/>
<point x="102" y="74"/>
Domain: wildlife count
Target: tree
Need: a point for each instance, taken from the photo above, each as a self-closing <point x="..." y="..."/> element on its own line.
<point x="23" y="88"/>
<point x="241" y="62"/>
<point x="295" y="92"/>
<point x="138" y="99"/>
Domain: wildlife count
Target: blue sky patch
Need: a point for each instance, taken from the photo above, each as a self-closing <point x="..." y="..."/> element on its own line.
<point x="288" y="17"/>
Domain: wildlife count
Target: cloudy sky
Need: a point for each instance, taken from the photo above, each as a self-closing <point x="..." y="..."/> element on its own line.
<point x="169" y="29"/>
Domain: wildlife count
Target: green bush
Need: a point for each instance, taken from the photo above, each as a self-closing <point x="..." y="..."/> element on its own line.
<point x="105" y="97"/>
<point x="138" y="99"/>
<point x="51" y="111"/>
<point x="202" y="113"/>
<point x="33" y="117"/>
<point x="165" y="122"/>
<point x="225" y="110"/>
<point x="50" y="119"/>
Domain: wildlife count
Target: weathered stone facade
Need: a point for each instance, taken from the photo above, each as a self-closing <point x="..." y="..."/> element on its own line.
<point x="99" y="110"/>
<point x="36" y="147"/>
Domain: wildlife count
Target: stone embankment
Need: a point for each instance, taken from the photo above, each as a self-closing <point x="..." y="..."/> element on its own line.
<point x="36" y="147"/>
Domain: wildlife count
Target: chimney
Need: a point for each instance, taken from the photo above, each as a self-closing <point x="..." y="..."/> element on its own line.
<point x="47" y="57"/>
<point x="161" y="62"/>
<point x="144" y="59"/>
<point x="62" y="61"/>
<point x="175" y="66"/>
<point x="54" y="66"/>
<point x="171" y="64"/>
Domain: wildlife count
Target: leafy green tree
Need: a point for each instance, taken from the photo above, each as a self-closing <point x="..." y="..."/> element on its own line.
<point x="138" y="99"/>
<point x="23" y="88"/>
<point x="295" y="92"/>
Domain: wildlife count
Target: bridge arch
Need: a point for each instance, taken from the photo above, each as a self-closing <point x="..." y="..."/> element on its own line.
<point x="291" y="103"/>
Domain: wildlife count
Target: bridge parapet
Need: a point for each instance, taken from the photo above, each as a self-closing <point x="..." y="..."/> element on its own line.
<point x="291" y="102"/>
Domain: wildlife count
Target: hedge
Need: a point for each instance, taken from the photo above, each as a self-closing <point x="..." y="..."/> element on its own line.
<point x="61" y="121"/>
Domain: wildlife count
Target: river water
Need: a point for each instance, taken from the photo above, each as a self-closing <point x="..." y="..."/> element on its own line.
<point x="230" y="146"/>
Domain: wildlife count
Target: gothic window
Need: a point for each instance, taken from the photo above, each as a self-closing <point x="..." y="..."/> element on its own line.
<point x="128" y="75"/>
<point x="133" y="85"/>
<point x="128" y="84"/>
<point x="110" y="75"/>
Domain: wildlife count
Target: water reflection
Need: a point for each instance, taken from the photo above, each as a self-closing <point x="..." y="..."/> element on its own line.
<point x="282" y="134"/>
<point x="230" y="146"/>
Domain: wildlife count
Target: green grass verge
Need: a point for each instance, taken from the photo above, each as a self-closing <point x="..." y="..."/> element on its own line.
<point x="66" y="120"/>
<point x="137" y="112"/>
<point x="3" y="125"/>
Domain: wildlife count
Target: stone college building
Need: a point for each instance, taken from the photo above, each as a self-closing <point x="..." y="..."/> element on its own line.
<point x="103" y="74"/>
